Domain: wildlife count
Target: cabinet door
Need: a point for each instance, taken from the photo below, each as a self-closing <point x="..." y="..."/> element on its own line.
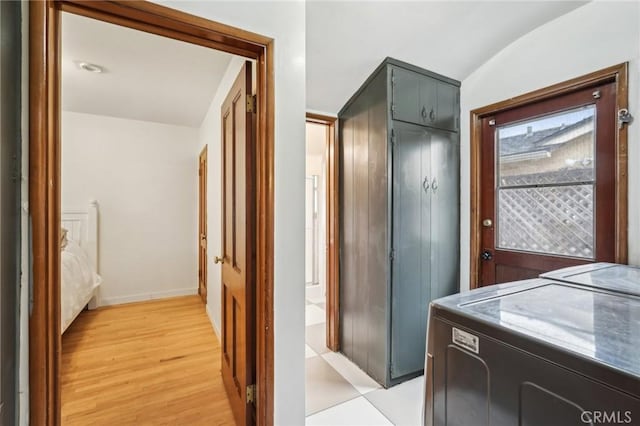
<point x="406" y="95"/>
<point x="447" y="111"/>
<point x="445" y="207"/>
<point x="428" y="101"/>
<point x="410" y="287"/>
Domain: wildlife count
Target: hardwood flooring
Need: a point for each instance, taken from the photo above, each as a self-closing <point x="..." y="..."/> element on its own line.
<point x="149" y="363"/>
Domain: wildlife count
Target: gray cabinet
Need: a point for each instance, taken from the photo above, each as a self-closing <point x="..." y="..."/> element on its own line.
<point x="423" y="100"/>
<point x="399" y="198"/>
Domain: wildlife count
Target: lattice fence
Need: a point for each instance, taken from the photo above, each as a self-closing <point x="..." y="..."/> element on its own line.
<point x="548" y="219"/>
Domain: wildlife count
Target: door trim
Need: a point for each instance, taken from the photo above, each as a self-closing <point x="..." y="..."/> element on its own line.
<point x="333" y="231"/>
<point x="202" y="222"/>
<point x="44" y="178"/>
<point x="619" y="75"/>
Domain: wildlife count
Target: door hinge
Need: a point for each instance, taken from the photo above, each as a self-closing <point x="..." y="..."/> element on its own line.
<point x="392" y="255"/>
<point x="251" y="103"/>
<point x="251" y="393"/>
<point x="393" y="108"/>
<point x="492" y="122"/>
<point x="393" y="78"/>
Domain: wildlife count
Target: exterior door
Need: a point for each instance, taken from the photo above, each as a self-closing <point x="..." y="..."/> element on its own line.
<point x="238" y="249"/>
<point x="548" y="189"/>
<point x="202" y="226"/>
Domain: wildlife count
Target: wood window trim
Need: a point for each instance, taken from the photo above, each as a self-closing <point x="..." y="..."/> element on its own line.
<point x="44" y="179"/>
<point x="333" y="229"/>
<point x="619" y="75"/>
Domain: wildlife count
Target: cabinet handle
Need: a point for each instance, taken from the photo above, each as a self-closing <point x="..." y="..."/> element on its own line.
<point x="434" y="185"/>
<point x="425" y="184"/>
<point x="432" y="115"/>
<point x="424" y="113"/>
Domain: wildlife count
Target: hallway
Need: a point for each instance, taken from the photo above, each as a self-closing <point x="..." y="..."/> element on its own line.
<point x="147" y="363"/>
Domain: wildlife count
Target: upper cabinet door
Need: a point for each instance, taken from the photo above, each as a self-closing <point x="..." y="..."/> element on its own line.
<point x="406" y="95"/>
<point x="428" y="102"/>
<point x="447" y="111"/>
<point x="424" y="100"/>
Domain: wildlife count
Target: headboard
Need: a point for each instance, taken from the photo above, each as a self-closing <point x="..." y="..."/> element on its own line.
<point x="82" y="226"/>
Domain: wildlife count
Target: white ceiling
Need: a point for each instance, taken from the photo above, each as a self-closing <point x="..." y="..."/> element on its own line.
<point x="347" y="40"/>
<point x="147" y="77"/>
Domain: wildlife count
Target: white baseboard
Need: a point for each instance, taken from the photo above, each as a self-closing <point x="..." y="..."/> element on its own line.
<point x="106" y="301"/>
<point x="216" y="327"/>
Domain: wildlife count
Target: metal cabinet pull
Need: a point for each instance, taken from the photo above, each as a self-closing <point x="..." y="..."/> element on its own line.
<point x="432" y="115"/>
<point x="425" y="184"/>
<point x="424" y="113"/>
<point x="434" y="185"/>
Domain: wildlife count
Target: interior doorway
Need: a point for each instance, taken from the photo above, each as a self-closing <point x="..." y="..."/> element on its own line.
<point x="322" y="225"/>
<point x="45" y="183"/>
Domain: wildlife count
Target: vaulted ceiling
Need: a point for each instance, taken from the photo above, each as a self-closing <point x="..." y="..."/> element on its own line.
<point x="345" y="41"/>
<point x="153" y="78"/>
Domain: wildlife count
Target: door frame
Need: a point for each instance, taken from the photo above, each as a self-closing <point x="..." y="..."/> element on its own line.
<point x="44" y="178"/>
<point x="202" y="221"/>
<point x="333" y="230"/>
<point x="617" y="74"/>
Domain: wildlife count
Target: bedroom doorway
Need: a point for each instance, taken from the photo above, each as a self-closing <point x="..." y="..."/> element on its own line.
<point x="202" y="225"/>
<point x="45" y="189"/>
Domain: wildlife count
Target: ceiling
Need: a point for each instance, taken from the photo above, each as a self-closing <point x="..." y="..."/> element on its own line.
<point x="147" y="77"/>
<point x="346" y="41"/>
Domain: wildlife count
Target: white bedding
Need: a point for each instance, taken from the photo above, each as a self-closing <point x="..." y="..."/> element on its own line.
<point x="79" y="281"/>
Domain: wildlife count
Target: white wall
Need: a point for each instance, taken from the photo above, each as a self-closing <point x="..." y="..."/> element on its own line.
<point x="285" y="22"/>
<point x="144" y="176"/>
<point x="592" y="37"/>
<point x="210" y="134"/>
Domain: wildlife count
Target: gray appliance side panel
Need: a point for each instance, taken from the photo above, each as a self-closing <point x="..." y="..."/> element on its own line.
<point x="410" y="266"/>
<point x="361" y="227"/>
<point x="445" y="214"/>
<point x="10" y="161"/>
<point x="378" y="244"/>
<point x="348" y="299"/>
<point x="492" y="383"/>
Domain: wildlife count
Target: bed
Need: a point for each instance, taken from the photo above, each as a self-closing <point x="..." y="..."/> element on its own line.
<point x="79" y="265"/>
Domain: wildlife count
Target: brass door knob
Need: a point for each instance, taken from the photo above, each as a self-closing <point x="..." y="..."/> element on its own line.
<point x="487" y="223"/>
<point x="219" y="259"/>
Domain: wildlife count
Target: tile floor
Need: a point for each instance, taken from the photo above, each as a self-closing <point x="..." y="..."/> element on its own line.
<point x="339" y="393"/>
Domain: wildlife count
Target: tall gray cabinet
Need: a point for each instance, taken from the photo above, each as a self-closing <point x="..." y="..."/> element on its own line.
<point x="399" y="215"/>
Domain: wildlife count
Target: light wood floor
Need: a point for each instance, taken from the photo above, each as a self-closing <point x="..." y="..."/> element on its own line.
<point x="150" y="363"/>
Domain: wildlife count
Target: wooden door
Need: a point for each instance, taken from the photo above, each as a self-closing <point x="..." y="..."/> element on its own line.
<point x="548" y="188"/>
<point x="202" y="225"/>
<point x="238" y="248"/>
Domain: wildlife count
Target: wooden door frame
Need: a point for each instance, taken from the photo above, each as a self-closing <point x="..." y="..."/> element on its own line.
<point x="333" y="230"/>
<point x="202" y="223"/>
<point x="617" y="74"/>
<point x="44" y="178"/>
